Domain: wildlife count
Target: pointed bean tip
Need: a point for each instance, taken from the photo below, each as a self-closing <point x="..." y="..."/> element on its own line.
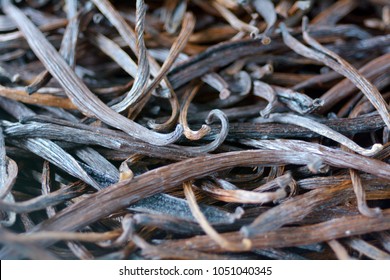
<point x="374" y="150"/>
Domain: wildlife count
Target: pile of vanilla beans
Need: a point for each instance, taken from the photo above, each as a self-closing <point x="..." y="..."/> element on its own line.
<point x="190" y="129"/>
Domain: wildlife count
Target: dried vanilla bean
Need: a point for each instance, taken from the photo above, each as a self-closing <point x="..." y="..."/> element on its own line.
<point x="302" y="205"/>
<point x="323" y="182"/>
<point x="297" y="102"/>
<point x="44" y="201"/>
<point x="265" y="91"/>
<point x="8" y="173"/>
<point x="52" y="235"/>
<point x="6" y="24"/>
<point x="8" y="176"/>
<point x="233" y="114"/>
<point x="176" y="207"/>
<point x="322" y="130"/>
<point x="260" y="72"/>
<point x="364" y="106"/>
<point x="242" y="196"/>
<point x="345" y="88"/>
<point x="93" y="158"/>
<point x="8" y="217"/>
<point x="22" y="249"/>
<point x="172" y="120"/>
<point x="367" y="249"/>
<point x="213" y="79"/>
<point x="142" y="77"/>
<point x="354" y="50"/>
<point x="292" y="236"/>
<point x="84" y="134"/>
<point x="75" y="88"/>
<point x="168" y="223"/>
<point x="67" y="51"/>
<point x="174" y="13"/>
<point x="177" y="47"/>
<point x="21" y="111"/>
<point x="56" y="132"/>
<point x="3" y="164"/>
<point x="339" y="250"/>
<point x="359" y="190"/>
<point x="46" y="187"/>
<point x="219" y="139"/>
<point x="267" y="10"/>
<point x="110" y="48"/>
<point x="360" y="196"/>
<point x="344" y="30"/>
<point x="278" y="254"/>
<point x="123" y="28"/>
<point x="384" y="239"/>
<point x="333" y="157"/>
<point x="217" y="82"/>
<point x="275" y="95"/>
<point x="80" y="180"/>
<point x="172" y="178"/>
<point x="234" y="21"/>
<point x="187" y="98"/>
<point x="238" y="178"/>
<point x="240" y="85"/>
<point x="78" y="250"/>
<point x="41" y="99"/>
<point x="339" y="65"/>
<point x="279" y="182"/>
<point x="210" y="231"/>
<point x="216" y="56"/>
<point x="237" y="131"/>
<point x="335" y="12"/>
<point x="164" y="253"/>
<point x="53" y="153"/>
<point x="15" y="38"/>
